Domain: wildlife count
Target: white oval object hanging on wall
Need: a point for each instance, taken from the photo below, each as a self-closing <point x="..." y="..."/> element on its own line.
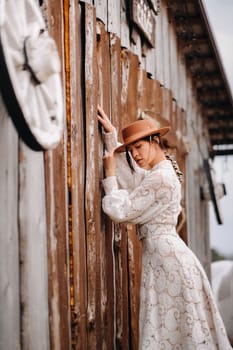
<point x="30" y="74"/>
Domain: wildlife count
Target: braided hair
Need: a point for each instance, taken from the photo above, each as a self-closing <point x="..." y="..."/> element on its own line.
<point x="164" y="145"/>
<point x="175" y="166"/>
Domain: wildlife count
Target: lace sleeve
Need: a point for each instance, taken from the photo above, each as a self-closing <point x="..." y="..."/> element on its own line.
<point x="138" y="206"/>
<point x="110" y="140"/>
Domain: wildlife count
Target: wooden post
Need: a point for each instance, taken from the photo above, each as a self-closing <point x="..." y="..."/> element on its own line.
<point x="9" y="240"/>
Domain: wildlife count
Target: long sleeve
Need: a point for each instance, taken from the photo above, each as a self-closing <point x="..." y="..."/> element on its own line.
<point x="110" y="140"/>
<point x="154" y="199"/>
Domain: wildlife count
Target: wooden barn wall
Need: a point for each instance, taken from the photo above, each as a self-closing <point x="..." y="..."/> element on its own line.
<point x="69" y="277"/>
<point x="24" y="320"/>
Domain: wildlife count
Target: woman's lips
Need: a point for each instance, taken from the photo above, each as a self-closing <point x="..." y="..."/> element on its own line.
<point x="139" y="161"/>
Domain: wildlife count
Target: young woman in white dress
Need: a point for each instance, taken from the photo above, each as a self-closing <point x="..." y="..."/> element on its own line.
<point x="142" y="186"/>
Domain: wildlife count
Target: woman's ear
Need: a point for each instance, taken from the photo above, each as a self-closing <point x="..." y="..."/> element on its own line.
<point x="156" y="139"/>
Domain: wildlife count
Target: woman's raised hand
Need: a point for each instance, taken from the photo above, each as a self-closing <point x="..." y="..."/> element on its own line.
<point x="104" y="120"/>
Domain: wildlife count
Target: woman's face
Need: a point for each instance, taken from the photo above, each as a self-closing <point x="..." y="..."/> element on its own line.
<point x="144" y="153"/>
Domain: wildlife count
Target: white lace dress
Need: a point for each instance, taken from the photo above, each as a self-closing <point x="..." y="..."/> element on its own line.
<point x="177" y="309"/>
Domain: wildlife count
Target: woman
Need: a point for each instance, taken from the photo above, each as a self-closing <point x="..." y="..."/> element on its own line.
<point x="177" y="310"/>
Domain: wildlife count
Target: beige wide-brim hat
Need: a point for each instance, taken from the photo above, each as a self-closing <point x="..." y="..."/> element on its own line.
<point x="138" y="130"/>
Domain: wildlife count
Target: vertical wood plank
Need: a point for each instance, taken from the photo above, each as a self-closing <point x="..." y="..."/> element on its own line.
<point x="33" y="251"/>
<point x="158" y="99"/>
<point x="124" y="29"/>
<point x="165" y="45"/>
<point x="174" y="63"/>
<point x="101" y="11"/>
<point x="56" y="205"/>
<point x="136" y="46"/>
<point x="184" y="82"/>
<point x="167" y="104"/>
<point x="129" y="112"/>
<point x="106" y="238"/>
<point x="9" y="248"/>
<point x="114" y="17"/>
<point x="149" y="102"/>
<point x="159" y="49"/>
<point x="91" y="189"/>
<point x="151" y="62"/>
<point x="115" y="83"/>
<point x="77" y="164"/>
<point x="129" y="96"/>
<point x="122" y="292"/>
<point x="134" y="254"/>
<point x="120" y="288"/>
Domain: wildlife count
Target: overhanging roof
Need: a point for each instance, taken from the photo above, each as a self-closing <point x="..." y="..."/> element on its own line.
<point x="205" y="66"/>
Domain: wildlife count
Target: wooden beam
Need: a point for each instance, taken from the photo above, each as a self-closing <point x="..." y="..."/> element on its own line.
<point x="212" y="191"/>
<point x="221" y="123"/>
<point x="220" y="129"/>
<point x="222" y="141"/>
<point x="222" y="152"/>
<point x="9" y="239"/>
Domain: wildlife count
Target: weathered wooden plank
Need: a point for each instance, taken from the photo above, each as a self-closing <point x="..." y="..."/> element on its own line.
<point x="114" y="17"/>
<point x="92" y="188"/>
<point x="167" y="104"/>
<point x="56" y="205"/>
<point x="143" y="17"/>
<point x="57" y="250"/>
<point x="186" y="84"/>
<point x="120" y="236"/>
<point x="134" y="254"/>
<point x="174" y="114"/>
<point x="33" y="251"/>
<point x="102" y="11"/>
<point x="115" y="83"/>
<point x="106" y="234"/>
<point x="159" y="49"/>
<point x="149" y="102"/>
<point x="165" y="45"/>
<point x="151" y="62"/>
<point x="124" y="28"/>
<point x="77" y="186"/>
<point x="9" y="249"/>
<point x="174" y="63"/>
<point x="121" y="285"/>
<point x="136" y="46"/>
<point x="130" y="75"/>
<point x="158" y="99"/>
<point x="129" y="96"/>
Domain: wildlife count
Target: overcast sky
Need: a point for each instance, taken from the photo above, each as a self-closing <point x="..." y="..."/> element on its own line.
<point x="220" y="14"/>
